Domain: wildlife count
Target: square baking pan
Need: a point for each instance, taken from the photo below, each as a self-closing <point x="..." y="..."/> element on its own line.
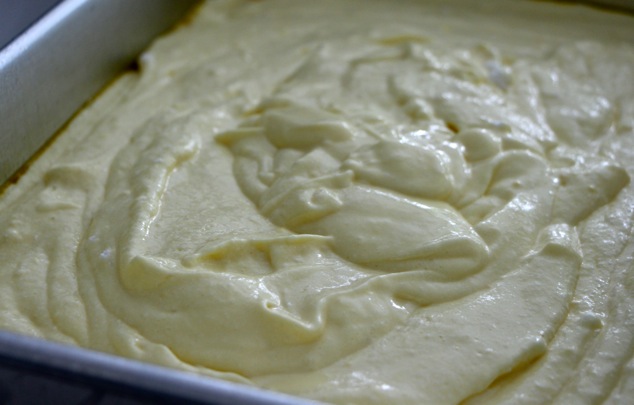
<point x="46" y="74"/>
<point x="60" y="62"/>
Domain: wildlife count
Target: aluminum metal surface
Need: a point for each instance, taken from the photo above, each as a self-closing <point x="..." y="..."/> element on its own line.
<point x="18" y="15"/>
<point x="60" y="62"/>
<point x="46" y="74"/>
<point x="139" y="380"/>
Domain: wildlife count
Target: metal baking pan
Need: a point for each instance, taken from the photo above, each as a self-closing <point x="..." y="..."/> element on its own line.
<point x="59" y="63"/>
<point x="46" y="75"/>
<point x="33" y="371"/>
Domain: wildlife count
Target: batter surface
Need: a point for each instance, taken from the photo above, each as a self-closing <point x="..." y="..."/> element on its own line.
<point x="351" y="201"/>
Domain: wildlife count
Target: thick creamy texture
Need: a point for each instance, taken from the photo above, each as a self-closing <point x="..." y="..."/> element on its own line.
<point x="351" y="201"/>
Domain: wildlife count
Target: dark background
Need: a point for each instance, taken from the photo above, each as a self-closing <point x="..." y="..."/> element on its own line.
<point x="17" y="15"/>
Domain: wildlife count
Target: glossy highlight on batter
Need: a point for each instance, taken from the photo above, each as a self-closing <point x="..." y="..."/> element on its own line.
<point x="415" y="202"/>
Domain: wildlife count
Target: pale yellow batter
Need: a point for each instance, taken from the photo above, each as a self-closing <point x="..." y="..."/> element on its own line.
<point x="351" y="201"/>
